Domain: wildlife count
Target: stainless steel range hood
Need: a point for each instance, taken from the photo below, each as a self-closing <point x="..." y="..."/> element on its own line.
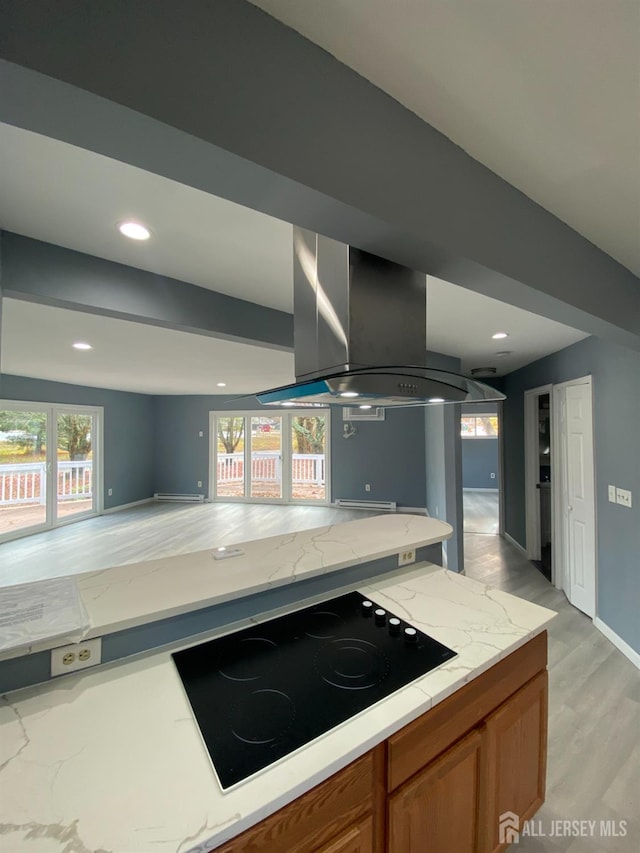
<point x="360" y="334"/>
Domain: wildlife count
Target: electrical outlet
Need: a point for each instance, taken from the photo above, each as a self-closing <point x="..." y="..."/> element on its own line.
<point x="612" y="494"/>
<point x="493" y="476"/>
<point x="623" y="497"/>
<point x="109" y="492"/>
<point x="199" y="484"/>
<point x="405" y="558"/>
<point x="201" y="434"/>
<point x="76" y="656"/>
<point x="367" y="487"/>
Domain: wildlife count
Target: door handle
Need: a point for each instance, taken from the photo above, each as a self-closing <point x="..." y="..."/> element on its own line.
<point x="570" y="508"/>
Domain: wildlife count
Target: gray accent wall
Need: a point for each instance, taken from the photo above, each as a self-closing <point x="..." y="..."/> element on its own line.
<point x="182" y="455"/>
<point x="443" y="459"/>
<point x="389" y="455"/>
<point x="479" y="462"/>
<point x="52" y="275"/>
<point x="129" y="426"/>
<point x="616" y="410"/>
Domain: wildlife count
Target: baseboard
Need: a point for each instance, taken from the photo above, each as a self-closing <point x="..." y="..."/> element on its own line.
<point x="515" y="544"/>
<point x="126" y="506"/>
<point x="618" y="642"/>
<point x="471" y="489"/>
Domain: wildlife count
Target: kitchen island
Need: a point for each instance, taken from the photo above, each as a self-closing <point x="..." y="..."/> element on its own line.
<point x="111" y="759"/>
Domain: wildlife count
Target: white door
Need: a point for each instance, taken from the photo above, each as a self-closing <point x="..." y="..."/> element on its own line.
<point x="577" y="495"/>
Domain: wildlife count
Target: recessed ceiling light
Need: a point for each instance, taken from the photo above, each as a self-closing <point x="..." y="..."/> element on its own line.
<point x="349" y="394"/>
<point x="288" y="404"/>
<point x="365" y="407"/>
<point x="503" y="353"/>
<point x="221" y="384"/>
<point x="82" y="345"/>
<point x="499" y="335"/>
<point x="436" y="400"/>
<point x="134" y="230"/>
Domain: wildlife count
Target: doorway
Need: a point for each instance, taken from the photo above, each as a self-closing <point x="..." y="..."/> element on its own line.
<point x="270" y="457"/>
<point x="481" y="469"/>
<point x="539" y="461"/>
<point x="50" y="469"/>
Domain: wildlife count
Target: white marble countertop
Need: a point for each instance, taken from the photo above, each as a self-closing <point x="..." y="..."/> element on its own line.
<point x="112" y="760"/>
<point x="135" y="594"/>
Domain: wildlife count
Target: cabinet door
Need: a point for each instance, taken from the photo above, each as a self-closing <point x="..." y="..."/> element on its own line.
<point x="357" y="839"/>
<point x="516" y="759"/>
<point x="437" y="810"/>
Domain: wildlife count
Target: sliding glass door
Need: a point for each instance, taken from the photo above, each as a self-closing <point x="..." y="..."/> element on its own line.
<point x="48" y="470"/>
<point x="270" y="457"/>
<point x="23" y="470"/>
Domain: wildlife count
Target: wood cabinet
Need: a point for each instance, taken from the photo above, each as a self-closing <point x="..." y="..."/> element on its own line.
<point x="515" y="758"/>
<point x="437" y="810"/>
<point x="356" y="839"/>
<point x="439" y="784"/>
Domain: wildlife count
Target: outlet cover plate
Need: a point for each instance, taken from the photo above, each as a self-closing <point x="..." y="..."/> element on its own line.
<point x="612" y="494"/>
<point x="76" y="656"/>
<point x="405" y="558"/>
<point x="623" y="497"/>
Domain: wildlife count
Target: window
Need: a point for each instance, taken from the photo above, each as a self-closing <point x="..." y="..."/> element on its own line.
<point x="50" y="464"/>
<point x="258" y="456"/>
<point x="479" y="426"/>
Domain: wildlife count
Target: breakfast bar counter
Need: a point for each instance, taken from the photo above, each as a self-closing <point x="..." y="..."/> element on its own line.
<point x="111" y="759"/>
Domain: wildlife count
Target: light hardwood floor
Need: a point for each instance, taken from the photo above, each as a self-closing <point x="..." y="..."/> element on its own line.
<point x="593" y="768"/>
<point x="154" y="530"/>
<point x="480" y="511"/>
<point x="594" y="705"/>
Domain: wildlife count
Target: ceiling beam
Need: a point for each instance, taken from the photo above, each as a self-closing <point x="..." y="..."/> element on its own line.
<point x="51" y="275"/>
<point x="223" y="97"/>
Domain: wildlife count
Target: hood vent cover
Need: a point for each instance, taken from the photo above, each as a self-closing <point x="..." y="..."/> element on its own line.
<point x="360" y="333"/>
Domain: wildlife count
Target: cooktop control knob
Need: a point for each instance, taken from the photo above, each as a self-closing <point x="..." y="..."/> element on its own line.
<point x="367" y="608"/>
<point x="410" y="636"/>
<point x="394" y="626"/>
<point x="381" y="616"/>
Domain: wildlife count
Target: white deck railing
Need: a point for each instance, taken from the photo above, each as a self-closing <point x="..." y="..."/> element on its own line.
<point x="26" y="483"/>
<point x="266" y="465"/>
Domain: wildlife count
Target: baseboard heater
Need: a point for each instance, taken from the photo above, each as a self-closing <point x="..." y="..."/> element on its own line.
<point x="386" y="506"/>
<point x="189" y="499"/>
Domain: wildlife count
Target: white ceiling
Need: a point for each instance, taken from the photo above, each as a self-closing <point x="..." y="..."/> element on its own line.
<point x="71" y="197"/>
<point x="55" y="192"/>
<point x="37" y="341"/>
<point x="544" y="93"/>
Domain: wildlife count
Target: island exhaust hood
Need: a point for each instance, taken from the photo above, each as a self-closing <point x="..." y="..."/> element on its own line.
<point x="360" y="334"/>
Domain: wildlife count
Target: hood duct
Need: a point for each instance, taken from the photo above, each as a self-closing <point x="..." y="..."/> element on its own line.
<point x="360" y="333"/>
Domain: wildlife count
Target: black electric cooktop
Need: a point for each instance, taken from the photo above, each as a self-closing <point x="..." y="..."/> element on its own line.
<point x="263" y="692"/>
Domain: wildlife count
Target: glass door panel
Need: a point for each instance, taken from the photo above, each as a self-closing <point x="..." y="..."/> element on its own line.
<point x="23" y="470"/>
<point x="266" y="457"/>
<point x="230" y="457"/>
<point x="75" y="436"/>
<point x="308" y="457"/>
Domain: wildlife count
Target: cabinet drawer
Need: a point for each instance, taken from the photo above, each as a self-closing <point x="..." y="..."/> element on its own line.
<point x="318" y="816"/>
<point x="356" y="839"/>
<point x="420" y="742"/>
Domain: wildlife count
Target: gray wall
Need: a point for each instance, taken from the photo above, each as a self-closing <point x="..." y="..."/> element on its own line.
<point x="616" y="400"/>
<point x="389" y="455"/>
<point x="182" y="456"/>
<point x="479" y="461"/>
<point x="128" y="431"/>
